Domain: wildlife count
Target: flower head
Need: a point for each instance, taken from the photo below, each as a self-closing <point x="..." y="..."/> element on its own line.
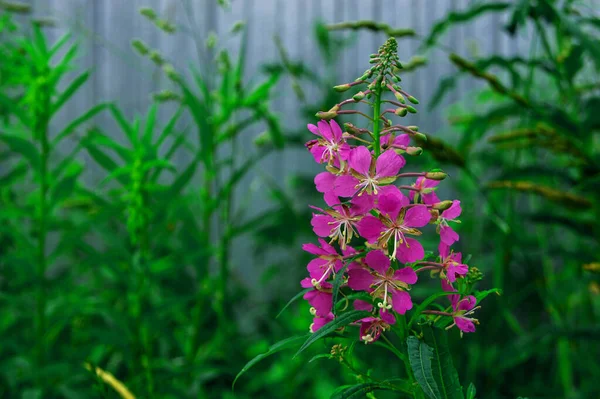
<point x="425" y="189"/>
<point x="447" y="235"/>
<point x="330" y="147"/>
<point x="451" y="263"/>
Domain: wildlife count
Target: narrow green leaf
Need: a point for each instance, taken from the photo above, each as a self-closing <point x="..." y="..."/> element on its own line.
<point x="261" y="92"/>
<point x="359" y="390"/>
<point x="294" y="299"/>
<point x="420" y="356"/>
<point x="75" y="123"/>
<point x="123" y="123"/>
<point x="14" y="175"/>
<point x="69" y="91"/>
<point x="471" y="391"/>
<point x="339" y="322"/>
<point x="24" y="147"/>
<point x="277" y="347"/>
<point x="149" y="126"/>
<point x="64" y="188"/>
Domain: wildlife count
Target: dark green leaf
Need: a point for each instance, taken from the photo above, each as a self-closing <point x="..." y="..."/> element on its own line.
<point x="279" y="346"/>
<point x="444" y="372"/>
<point x="69" y="91"/>
<point x="70" y="128"/>
<point x="24" y="147"/>
<point x="420" y="356"/>
<point x="294" y="299"/>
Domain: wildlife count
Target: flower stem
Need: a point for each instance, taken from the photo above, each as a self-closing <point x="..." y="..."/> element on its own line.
<point x="376" y="112"/>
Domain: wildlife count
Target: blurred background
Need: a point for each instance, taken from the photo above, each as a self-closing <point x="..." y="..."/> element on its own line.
<point x="154" y="188"/>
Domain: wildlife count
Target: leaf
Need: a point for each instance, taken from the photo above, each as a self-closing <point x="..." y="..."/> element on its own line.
<point x="294" y="299"/>
<point x="122" y="122"/>
<point x="75" y="123"/>
<point x="444" y="372"/>
<point x="481" y="295"/>
<point x="261" y="92"/>
<point x="420" y="356"/>
<point x="277" y="347"/>
<point x="444" y="87"/>
<point x="24" y="147"/>
<point x="69" y="91"/>
<point x="149" y="126"/>
<point x="14" y="175"/>
<point x="456" y="17"/>
<point x="340" y="321"/>
<point x="64" y="188"/>
<point x="471" y="391"/>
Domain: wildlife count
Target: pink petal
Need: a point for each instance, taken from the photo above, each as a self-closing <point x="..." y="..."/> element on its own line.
<point x="344" y="150"/>
<point x="317" y="153"/>
<point x="448" y="236"/>
<point x="336" y="130"/>
<point x="317" y="268"/>
<point x="306" y="283"/>
<point x="329" y="249"/>
<point x="345" y="186"/>
<point x="428" y="183"/>
<point x="324" y="182"/>
<point x="386" y="316"/>
<point x="321" y="301"/>
<point x="370" y="228"/>
<point x="361" y="204"/>
<point x="390" y="205"/>
<point x="406" y="274"/>
<point x="360" y="160"/>
<point x="331" y="199"/>
<point x="411" y="252"/>
<point x="313" y="129"/>
<point x="454" y="270"/>
<point x="378" y="261"/>
<point x="349" y="251"/>
<point x="402" y="140"/>
<point x="417" y="216"/>
<point x="388" y="164"/>
<point x="319" y="322"/>
<point x="363" y="305"/>
<point x="467" y="303"/>
<point x="325" y="130"/>
<point x="430" y="198"/>
<point x="444" y="250"/>
<point x="453" y="212"/>
<point x="360" y="279"/>
<point x="313" y="249"/>
<point x="321" y="226"/>
<point x="464" y="325"/>
<point x="401" y="301"/>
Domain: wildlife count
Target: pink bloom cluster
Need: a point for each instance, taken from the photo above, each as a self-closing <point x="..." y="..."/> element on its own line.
<point x="366" y="208"/>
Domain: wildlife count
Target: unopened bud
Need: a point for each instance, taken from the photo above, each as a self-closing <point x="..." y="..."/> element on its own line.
<point x="443" y="205"/>
<point x="396" y="79"/>
<point x="593" y="267"/>
<point x="238" y="27"/>
<point x="474" y="275"/>
<point x="44" y="22"/>
<point x="400" y="97"/>
<point x="358" y="96"/>
<point x="157" y="58"/>
<point x="148" y="13"/>
<point x="211" y="40"/>
<point x="341" y="88"/>
<point x="326" y="115"/>
<point x="436" y="174"/>
<point x="411" y="109"/>
<point x="165" y="26"/>
<point x="420" y="136"/>
<point x="414" y="150"/>
<point x="171" y="73"/>
<point x="413" y="100"/>
<point x="15" y="7"/>
<point x="140" y="46"/>
<point x="165" y="96"/>
<point x="401" y="111"/>
<point x="263" y="139"/>
<point x="413" y="128"/>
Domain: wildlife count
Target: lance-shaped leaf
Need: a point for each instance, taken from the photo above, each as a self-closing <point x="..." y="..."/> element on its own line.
<point x="359" y="390"/>
<point x="444" y="373"/>
<point x="279" y="346"/>
<point x="420" y="356"/>
<point x="23" y="147"/>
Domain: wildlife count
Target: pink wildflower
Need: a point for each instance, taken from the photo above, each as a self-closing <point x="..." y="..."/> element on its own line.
<point x="447" y="234"/>
<point x="330" y="146"/>
<point x="383" y="282"/>
<point x="425" y="189"/>
<point x="368" y="174"/>
<point x="451" y="263"/>
<point x="338" y="222"/>
<point x="395" y="221"/>
<point x="328" y="261"/>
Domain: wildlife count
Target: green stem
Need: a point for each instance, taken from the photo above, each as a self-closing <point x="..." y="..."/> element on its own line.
<point x="41" y="131"/>
<point x="376" y="112"/>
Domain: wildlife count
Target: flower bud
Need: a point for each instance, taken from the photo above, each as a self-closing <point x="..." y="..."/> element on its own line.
<point x="263" y="139"/>
<point x="326" y="115"/>
<point x="165" y="26"/>
<point x="401" y="111"/>
<point x="157" y="58"/>
<point x="396" y="79"/>
<point x="592" y="267"/>
<point x="443" y="205"/>
<point x="413" y="128"/>
<point x="16" y="7"/>
<point x="400" y="97"/>
<point x="171" y="73"/>
<point x="411" y="109"/>
<point x="148" y="13"/>
<point x="140" y="46"/>
<point x="413" y="100"/>
<point x="165" y="96"/>
<point x="420" y="136"/>
<point x="436" y="174"/>
<point x="341" y="88"/>
<point x="414" y="150"/>
<point x="238" y="27"/>
<point x="358" y="96"/>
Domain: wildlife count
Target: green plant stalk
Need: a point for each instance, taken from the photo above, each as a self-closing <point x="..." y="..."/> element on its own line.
<point x="376" y="112"/>
<point x="42" y="119"/>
